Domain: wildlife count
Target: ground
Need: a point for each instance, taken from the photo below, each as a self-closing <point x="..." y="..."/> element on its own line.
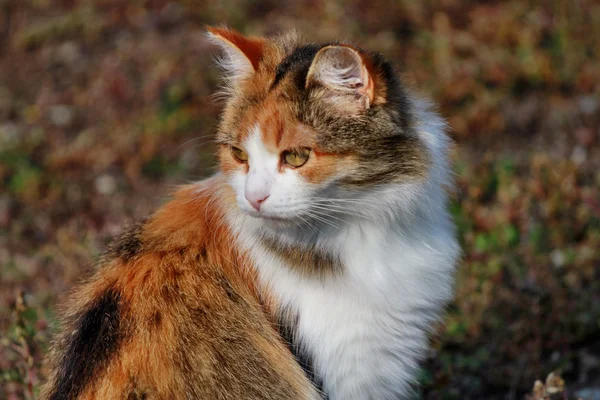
<point x="105" y="106"/>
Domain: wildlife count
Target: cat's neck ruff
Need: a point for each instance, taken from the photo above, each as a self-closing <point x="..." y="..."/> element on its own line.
<point x="364" y="324"/>
<point x="418" y="220"/>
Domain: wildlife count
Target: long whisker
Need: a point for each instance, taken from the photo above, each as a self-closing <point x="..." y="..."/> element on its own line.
<point x="195" y="146"/>
<point x="209" y="136"/>
<point x="308" y="224"/>
<point x="320" y="212"/>
<point x="337" y="208"/>
<point x="353" y="201"/>
<point x="321" y="219"/>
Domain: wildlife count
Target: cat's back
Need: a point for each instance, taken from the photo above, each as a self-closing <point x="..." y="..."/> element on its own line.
<point x="170" y="313"/>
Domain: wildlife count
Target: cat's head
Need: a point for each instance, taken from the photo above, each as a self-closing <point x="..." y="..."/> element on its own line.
<point x="314" y="131"/>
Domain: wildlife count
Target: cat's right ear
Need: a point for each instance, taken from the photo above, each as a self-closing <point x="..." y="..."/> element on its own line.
<point x="343" y="71"/>
<point x="242" y="54"/>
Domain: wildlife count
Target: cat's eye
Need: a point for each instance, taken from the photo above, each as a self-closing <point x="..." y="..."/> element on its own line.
<point x="239" y="154"/>
<point x="296" y="158"/>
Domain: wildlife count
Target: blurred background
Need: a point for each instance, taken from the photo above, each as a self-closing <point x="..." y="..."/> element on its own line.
<point x="105" y="106"/>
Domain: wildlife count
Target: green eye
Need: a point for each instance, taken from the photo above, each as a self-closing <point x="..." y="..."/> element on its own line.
<point x="239" y="154"/>
<point x="296" y="158"/>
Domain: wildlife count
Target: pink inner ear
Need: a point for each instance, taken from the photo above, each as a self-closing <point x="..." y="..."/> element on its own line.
<point x="369" y="89"/>
<point x="366" y="87"/>
<point x="342" y="67"/>
<point x="252" y="48"/>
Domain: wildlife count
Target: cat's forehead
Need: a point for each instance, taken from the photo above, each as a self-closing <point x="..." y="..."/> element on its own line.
<point x="271" y="99"/>
<point x="278" y="125"/>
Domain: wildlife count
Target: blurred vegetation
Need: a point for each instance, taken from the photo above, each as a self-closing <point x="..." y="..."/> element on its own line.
<point x="105" y="106"/>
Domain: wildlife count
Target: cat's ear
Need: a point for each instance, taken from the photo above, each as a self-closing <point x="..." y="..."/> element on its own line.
<point x="343" y="71"/>
<point x="242" y="54"/>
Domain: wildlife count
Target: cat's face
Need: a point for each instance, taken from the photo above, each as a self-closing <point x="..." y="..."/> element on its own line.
<point x="276" y="166"/>
<point x="309" y="132"/>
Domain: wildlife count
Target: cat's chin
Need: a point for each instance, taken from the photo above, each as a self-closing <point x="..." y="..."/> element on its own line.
<point x="277" y="224"/>
<point x="272" y="221"/>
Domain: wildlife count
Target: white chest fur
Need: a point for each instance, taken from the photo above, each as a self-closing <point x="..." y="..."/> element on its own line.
<point x="366" y="329"/>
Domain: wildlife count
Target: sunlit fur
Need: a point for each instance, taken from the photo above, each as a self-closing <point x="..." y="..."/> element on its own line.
<point x="349" y="256"/>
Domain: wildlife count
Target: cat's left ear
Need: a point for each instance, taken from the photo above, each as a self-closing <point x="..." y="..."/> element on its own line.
<point x="242" y="54"/>
<point x="343" y="71"/>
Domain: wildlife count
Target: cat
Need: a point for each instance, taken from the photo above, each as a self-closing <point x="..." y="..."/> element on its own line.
<point x="314" y="264"/>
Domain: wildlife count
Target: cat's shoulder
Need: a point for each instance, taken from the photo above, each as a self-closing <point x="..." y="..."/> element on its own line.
<point x="169" y="313"/>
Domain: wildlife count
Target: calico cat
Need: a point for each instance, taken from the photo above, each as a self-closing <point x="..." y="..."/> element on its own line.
<point x="314" y="264"/>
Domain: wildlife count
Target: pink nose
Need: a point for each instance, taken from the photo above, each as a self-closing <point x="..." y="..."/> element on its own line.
<point x="256" y="201"/>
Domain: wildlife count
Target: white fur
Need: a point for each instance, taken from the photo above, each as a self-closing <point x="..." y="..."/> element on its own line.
<point x="367" y="328"/>
<point x="262" y="169"/>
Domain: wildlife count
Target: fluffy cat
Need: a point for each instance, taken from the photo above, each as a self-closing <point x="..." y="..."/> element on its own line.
<point x="314" y="264"/>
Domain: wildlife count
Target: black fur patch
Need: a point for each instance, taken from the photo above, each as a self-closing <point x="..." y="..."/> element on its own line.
<point x="128" y="244"/>
<point x="97" y="337"/>
<point x="300" y="58"/>
<point x="396" y="95"/>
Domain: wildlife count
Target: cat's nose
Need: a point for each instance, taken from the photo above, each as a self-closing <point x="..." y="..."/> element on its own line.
<point x="256" y="199"/>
